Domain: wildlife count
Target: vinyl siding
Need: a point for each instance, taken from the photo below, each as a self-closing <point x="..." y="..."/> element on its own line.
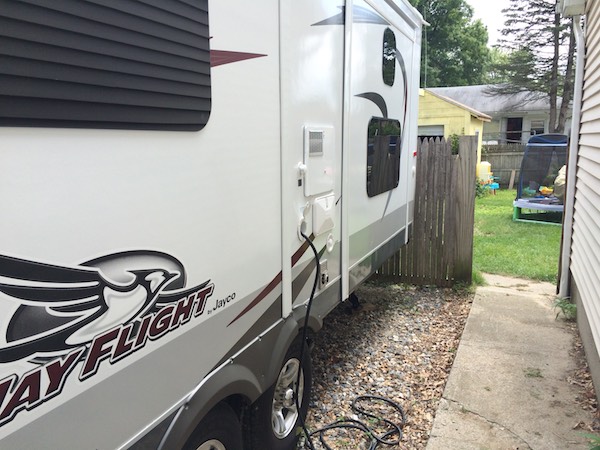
<point x="585" y="246"/>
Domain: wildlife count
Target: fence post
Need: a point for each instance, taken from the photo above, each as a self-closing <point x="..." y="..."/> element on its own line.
<point x="464" y="202"/>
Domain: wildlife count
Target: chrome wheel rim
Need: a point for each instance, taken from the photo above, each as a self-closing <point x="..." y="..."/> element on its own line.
<point x="284" y="413"/>
<point x="213" y="444"/>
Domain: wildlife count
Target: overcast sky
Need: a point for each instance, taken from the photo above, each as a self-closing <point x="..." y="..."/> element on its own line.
<point x="490" y="13"/>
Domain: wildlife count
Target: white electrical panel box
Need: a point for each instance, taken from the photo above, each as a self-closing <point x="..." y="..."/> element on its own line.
<point x="323" y="214"/>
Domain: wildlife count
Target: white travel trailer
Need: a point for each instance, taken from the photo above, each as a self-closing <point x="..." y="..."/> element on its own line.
<point x="161" y="161"/>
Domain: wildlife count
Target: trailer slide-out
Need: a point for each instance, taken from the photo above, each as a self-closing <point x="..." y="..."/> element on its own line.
<point x="161" y="161"/>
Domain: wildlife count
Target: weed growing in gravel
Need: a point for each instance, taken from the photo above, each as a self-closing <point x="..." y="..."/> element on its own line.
<point x="533" y="372"/>
<point x="594" y="443"/>
<point x="478" y="279"/>
<point x="566" y="307"/>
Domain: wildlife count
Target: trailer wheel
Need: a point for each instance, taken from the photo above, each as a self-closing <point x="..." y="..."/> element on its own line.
<point x="275" y="418"/>
<point x="219" y="430"/>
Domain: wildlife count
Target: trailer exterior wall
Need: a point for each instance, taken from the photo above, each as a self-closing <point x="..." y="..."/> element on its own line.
<point x="211" y="199"/>
<point x="168" y="265"/>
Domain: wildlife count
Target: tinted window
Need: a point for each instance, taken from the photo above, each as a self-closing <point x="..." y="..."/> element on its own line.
<point x="105" y="64"/>
<point x="383" y="155"/>
<point x="389" y="57"/>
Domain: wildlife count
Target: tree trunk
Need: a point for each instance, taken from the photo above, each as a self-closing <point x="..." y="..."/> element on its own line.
<point x="568" y="83"/>
<point x="553" y="92"/>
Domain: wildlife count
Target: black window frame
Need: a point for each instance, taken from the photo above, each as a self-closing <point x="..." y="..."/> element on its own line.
<point x="388" y="64"/>
<point x="383" y="155"/>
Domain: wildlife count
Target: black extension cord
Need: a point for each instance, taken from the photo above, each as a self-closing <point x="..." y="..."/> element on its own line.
<point x="389" y="438"/>
<point x="304" y="331"/>
<point x="395" y="429"/>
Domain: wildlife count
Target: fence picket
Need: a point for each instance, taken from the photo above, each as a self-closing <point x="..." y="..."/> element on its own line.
<point x="440" y="249"/>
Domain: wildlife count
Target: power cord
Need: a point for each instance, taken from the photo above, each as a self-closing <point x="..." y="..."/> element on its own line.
<point x="395" y="429"/>
<point x="304" y="336"/>
<point x="391" y="437"/>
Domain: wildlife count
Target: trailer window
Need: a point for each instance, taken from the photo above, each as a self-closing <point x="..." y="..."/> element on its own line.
<point x="383" y="155"/>
<point x="389" y="57"/>
<point x="105" y="64"/>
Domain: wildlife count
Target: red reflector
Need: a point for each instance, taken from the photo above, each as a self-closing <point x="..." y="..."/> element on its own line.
<point x="415" y="153"/>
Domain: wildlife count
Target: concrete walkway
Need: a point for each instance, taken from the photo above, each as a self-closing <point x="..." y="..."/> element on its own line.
<point x="508" y="386"/>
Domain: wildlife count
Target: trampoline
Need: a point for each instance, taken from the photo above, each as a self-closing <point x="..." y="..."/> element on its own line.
<point x="545" y="155"/>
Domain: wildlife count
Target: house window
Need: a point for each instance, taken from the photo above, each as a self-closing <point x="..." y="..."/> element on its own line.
<point x="389" y="57"/>
<point x="383" y="155"/>
<point x="537" y="127"/>
<point x="126" y="65"/>
<point x="514" y="129"/>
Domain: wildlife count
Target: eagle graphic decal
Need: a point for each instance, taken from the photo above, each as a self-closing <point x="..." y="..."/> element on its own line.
<point x="59" y="317"/>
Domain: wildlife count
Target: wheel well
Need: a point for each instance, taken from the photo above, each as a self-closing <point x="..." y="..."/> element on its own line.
<point x="237" y="384"/>
<point x="239" y="403"/>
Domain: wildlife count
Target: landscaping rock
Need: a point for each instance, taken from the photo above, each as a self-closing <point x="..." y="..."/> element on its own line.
<point x="399" y="344"/>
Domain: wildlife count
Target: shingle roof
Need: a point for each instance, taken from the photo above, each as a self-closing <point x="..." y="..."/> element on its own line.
<point x="478" y="114"/>
<point x="477" y="97"/>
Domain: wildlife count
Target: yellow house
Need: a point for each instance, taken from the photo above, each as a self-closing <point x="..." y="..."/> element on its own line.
<point x="440" y="116"/>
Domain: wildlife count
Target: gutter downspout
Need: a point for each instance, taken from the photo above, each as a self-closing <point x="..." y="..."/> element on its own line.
<point x="565" y="254"/>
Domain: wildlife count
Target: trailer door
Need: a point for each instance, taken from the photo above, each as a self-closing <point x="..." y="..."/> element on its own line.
<point x="312" y="48"/>
<point x="381" y="46"/>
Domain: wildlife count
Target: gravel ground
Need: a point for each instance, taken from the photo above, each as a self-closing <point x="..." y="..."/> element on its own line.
<point x="400" y="343"/>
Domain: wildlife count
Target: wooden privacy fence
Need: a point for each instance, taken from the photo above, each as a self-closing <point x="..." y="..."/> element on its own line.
<point x="505" y="160"/>
<point x="440" y="250"/>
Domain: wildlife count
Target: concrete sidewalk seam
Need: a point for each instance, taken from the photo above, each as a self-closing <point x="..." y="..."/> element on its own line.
<point x="464" y="409"/>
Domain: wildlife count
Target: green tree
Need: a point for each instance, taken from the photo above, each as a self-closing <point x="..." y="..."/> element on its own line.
<point x="498" y="58"/>
<point x="540" y="50"/>
<point x="455" y="51"/>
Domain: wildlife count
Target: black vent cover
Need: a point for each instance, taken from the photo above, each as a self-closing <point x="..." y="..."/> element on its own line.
<point x="122" y="64"/>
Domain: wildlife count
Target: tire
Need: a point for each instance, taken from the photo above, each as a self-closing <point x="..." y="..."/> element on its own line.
<point x="274" y="418"/>
<point x="219" y="430"/>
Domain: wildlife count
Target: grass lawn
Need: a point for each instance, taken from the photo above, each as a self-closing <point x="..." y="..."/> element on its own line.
<point x="504" y="247"/>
